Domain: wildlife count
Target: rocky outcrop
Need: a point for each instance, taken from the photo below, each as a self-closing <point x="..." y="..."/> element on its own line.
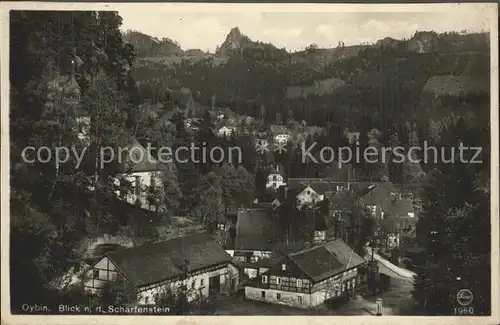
<point x="147" y="46"/>
<point x="234" y="42"/>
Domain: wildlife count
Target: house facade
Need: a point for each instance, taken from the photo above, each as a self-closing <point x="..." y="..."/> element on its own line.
<point x="275" y="179"/>
<point x="307" y="278"/>
<point x="253" y="237"/>
<point x="282" y="138"/>
<point x="226" y="131"/>
<point x="196" y="261"/>
<point x="140" y="182"/>
<point x="308" y="196"/>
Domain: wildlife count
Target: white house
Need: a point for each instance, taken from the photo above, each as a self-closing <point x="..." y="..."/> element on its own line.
<point x="226" y="131"/>
<point x="282" y="138"/>
<point x="297" y="282"/>
<point x="140" y="182"/>
<point x="308" y="196"/>
<point x="275" y="179"/>
<point x="196" y="261"/>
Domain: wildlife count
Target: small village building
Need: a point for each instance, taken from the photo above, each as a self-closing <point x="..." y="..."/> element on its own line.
<point x="254" y="236"/>
<point x="196" y="261"/>
<point x="282" y="138"/>
<point x="275" y="179"/>
<point x="226" y="131"/>
<point x="140" y="181"/>
<point x="308" y="278"/>
<point x="399" y="221"/>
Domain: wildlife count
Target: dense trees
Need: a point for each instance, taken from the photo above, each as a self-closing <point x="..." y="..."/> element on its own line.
<point x="61" y="54"/>
<point x="455" y="211"/>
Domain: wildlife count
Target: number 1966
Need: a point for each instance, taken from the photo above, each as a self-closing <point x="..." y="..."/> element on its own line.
<point x="463" y="310"/>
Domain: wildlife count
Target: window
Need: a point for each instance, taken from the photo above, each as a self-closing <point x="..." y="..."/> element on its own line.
<point x="278" y="280"/>
<point x="264" y="279"/>
<point x="278" y="296"/>
<point x="262" y="294"/>
<point x="308" y="192"/>
<point x="202" y="282"/>
<point x="283" y="267"/>
<point x="193" y="284"/>
<point x="95" y="274"/>
<point x="299" y="298"/>
<point x="299" y="283"/>
<point x="146" y="300"/>
<point x="275" y="178"/>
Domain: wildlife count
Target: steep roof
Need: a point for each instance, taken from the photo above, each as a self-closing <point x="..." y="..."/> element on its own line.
<point x="156" y="262"/>
<point x="377" y="195"/>
<point x="327" y="260"/>
<point x="256" y="229"/>
<point x="398" y="207"/>
<point x="137" y="158"/>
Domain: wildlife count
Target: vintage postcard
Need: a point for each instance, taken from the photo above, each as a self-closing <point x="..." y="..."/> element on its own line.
<point x="166" y="160"/>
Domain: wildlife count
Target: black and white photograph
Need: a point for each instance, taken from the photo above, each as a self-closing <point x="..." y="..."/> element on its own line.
<point x="163" y="159"/>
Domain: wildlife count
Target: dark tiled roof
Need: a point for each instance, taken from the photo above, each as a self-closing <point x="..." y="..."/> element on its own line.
<point x="322" y="262"/>
<point x="344" y="253"/>
<point x="398" y="207"/>
<point x="256" y="229"/>
<point x="377" y="195"/>
<point x="310" y="220"/>
<point x="323" y="187"/>
<point x="318" y="263"/>
<point x="155" y="262"/>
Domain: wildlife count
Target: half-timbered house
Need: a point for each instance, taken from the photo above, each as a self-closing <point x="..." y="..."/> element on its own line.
<point x="309" y="277"/>
<point x="196" y="261"/>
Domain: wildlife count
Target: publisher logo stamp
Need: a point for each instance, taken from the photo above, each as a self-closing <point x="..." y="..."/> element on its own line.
<point x="464" y="297"/>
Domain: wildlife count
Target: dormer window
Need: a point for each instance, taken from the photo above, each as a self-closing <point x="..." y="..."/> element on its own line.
<point x="283" y="267"/>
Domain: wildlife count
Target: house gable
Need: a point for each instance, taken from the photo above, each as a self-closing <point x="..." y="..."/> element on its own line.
<point x="102" y="272"/>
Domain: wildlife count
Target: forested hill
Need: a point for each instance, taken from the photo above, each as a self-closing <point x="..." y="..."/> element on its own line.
<point x="62" y="63"/>
<point x="365" y="84"/>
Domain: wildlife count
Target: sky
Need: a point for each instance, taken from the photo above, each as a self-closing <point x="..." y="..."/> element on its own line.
<point x="197" y="27"/>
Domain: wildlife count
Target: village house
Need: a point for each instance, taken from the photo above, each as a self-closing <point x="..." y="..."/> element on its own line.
<point x="308" y="278"/>
<point x="275" y="179"/>
<point x="399" y="221"/>
<point x="253" y="237"/>
<point x="226" y="131"/>
<point x="313" y="190"/>
<point x="396" y="214"/>
<point x="377" y="195"/>
<point x="196" y="261"/>
<point x="282" y="138"/>
<point x="140" y="181"/>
